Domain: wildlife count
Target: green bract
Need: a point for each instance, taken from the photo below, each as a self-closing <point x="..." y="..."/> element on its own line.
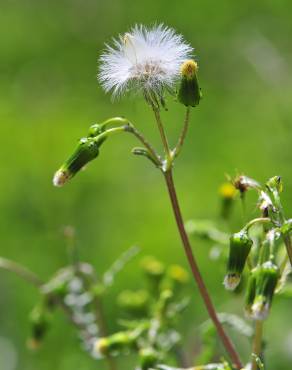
<point x="239" y="248"/>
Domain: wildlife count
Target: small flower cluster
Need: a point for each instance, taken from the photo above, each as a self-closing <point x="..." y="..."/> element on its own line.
<point x="150" y="315"/>
<point x="77" y="291"/>
<point x="263" y="244"/>
<point x="70" y="289"/>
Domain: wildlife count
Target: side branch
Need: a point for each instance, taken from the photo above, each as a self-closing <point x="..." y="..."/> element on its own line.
<point x="21" y="271"/>
<point x="183" y="134"/>
<point x="288" y="244"/>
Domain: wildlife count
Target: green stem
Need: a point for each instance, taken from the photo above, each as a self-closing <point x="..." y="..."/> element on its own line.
<point x="132" y="130"/>
<point x="163" y="137"/>
<point x="103" y="330"/>
<point x="183" y="134"/>
<point x="21" y="271"/>
<point x="196" y="272"/>
<point x="259" y="220"/>
<point x="288" y="244"/>
<point x="257" y="343"/>
<point x="286" y="237"/>
<point x="101" y="320"/>
<point x="283" y="264"/>
<point x="146" y="144"/>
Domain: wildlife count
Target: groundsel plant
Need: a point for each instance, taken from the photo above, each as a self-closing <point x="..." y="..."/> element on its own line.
<point x="156" y="62"/>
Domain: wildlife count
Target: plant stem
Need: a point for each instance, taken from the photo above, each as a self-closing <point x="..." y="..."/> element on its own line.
<point x="288" y="244"/>
<point x="132" y="130"/>
<point x="183" y="134"/>
<point x="147" y="145"/>
<point x="257" y="343"/>
<point x="103" y="330"/>
<point x="163" y="136"/>
<point x="167" y="172"/>
<point x="255" y="221"/>
<point x="21" y="271"/>
<point x="196" y="272"/>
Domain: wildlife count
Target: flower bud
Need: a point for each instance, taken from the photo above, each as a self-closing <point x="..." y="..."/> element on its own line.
<point x="148" y="358"/>
<point x="39" y="320"/>
<point x="266" y="282"/>
<point x="113" y="344"/>
<point x="134" y="302"/>
<point x="275" y="183"/>
<point x="100" y="347"/>
<point x="119" y="341"/>
<point x="227" y="193"/>
<point x="86" y="151"/>
<point x="95" y="130"/>
<point x="189" y="92"/>
<point x="153" y="268"/>
<point x="178" y="274"/>
<point x="98" y="128"/>
<point x="239" y="248"/>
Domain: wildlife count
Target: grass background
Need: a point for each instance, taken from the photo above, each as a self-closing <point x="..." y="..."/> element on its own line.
<point x="50" y="96"/>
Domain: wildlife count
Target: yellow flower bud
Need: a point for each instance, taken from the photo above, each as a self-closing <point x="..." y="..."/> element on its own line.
<point x="189" y="92"/>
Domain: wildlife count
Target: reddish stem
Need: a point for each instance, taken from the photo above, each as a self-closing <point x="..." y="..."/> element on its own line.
<point x="196" y="272"/>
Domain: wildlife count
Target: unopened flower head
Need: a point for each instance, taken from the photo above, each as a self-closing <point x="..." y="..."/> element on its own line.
<point x="178" y="274"/>
<point x="148" y="358"/>
<point x="261" y="287"/>
<point x="86" y="150"/>
<point x="144" y="59"/>
<point x="239" y="247"/>
<point x="227" y="193"/>
<point x="189" y="92"/>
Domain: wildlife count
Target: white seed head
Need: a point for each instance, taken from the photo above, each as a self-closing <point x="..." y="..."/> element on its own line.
<point x="145" y="59"/>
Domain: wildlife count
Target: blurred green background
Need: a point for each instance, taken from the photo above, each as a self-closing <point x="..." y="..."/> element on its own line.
<point x="50" y="96"/>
